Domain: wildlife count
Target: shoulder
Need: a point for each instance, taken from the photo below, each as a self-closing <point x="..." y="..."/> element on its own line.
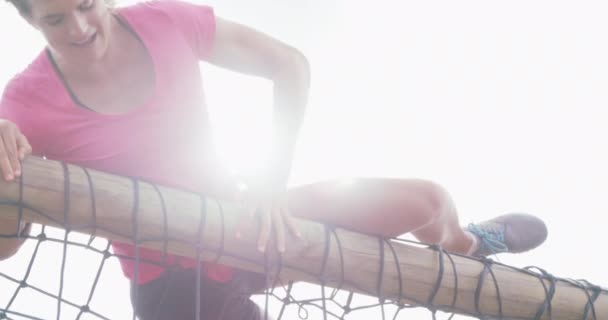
<point x="174" y="10"/>
<point x="34" y="84"/>
<point x="27" y="97"/>
<point x="174" y="19"/>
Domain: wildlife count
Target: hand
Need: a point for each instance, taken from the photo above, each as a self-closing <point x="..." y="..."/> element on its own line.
<point x="14" y="147"/>
<point x="273" y="212"/>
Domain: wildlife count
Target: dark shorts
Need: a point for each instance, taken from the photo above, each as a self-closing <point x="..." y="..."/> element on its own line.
<point x="173" y="296"/>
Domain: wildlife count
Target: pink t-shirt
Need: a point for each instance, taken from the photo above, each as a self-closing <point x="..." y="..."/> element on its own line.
<point x="166" y="140"/>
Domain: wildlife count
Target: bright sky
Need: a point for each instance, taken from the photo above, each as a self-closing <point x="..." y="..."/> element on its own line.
<point x="502" y="102"/>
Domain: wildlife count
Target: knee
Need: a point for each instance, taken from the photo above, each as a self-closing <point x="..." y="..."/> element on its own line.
<point x="437" y="203"/>
<point x="419" y="205"/>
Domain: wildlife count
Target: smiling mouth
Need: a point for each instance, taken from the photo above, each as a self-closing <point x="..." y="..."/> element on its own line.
<point x="85" y="42"/>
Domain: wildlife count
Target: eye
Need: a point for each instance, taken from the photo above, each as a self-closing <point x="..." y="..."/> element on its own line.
<point x="86" y="5"/>
<point x="54" y="20"/>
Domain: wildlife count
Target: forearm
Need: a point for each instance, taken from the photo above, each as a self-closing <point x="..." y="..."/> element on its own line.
<point x="291" y="88"/>
<point x="248" y="51"/>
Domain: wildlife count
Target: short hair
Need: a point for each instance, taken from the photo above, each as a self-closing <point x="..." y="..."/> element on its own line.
<point x="24" y="8"/>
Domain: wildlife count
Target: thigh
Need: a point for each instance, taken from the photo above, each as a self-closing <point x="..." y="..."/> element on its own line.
<point x="379" y="206"/>
<point x="174" y="296"/>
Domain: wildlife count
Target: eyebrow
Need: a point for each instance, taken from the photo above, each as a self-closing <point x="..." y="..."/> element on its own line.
<point x="57" y="15"/>
<point x="53" y="15"/>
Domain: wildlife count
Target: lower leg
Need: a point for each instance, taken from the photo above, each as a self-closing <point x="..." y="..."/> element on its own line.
<point x="513" y="232"/>
<point x="392" y="207"/>
<point x="446" y="230"/>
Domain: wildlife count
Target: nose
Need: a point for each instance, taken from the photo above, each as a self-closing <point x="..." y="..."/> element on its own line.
<point x="78" y="26"/>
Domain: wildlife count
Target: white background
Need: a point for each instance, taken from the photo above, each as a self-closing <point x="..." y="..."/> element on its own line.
<point x="503" y="103"/>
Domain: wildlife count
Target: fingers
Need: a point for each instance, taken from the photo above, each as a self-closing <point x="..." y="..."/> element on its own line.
<point x="5" y="163"/>
<point x="249" y="211"/>
<point x="280" y="221"/>
<point x="24" y="148"/>
<point x="266" y="222"/>
<point x="290" y="221"/>
<point x="265" y="228"/>
<point x="10" y="146"/>
<point x="14" y="147"/>
<point x="274" y="221"/>
<point x="279" y="224"/>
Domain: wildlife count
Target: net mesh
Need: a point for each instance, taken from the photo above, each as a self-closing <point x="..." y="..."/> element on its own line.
<point x="63" y="273"/>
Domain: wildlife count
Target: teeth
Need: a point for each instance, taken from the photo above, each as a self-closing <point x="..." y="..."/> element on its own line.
<point x="84" y="41"/>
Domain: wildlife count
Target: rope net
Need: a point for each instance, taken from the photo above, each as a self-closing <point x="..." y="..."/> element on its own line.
<point x="69" y="271"/>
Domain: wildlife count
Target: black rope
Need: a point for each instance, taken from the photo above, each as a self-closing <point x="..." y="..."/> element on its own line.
<point x="199" y="250"/>
<point x="480" y="282"/>
<point x="135" y="230"/>
<point x="337" y="287"/>
<point x="163" y="208"/>
<point x="590" y="305"/>
<point x="323" y="276"/>
<point x="400" y="278"/>
<point x="220" y="252"/>
<point x="380" y="270"/>
<point x="455" y="296"/>
<point x="20" y="207"/>
<point x="169" y="268"/>
<point x="437" y="285"/>
<point x="66" y="225"/>
<point x="93" y="204"/>
<point x="549" y="293"/>
<point x="487" y="269"/>
<point x="346" y="304"/>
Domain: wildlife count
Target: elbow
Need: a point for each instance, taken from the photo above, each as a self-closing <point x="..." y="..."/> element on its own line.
<point x="293" y="66"/>
<point x="301" y="66"/>
<point x="9" y="247"/>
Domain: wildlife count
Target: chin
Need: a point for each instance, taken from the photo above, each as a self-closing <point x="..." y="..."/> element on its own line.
<point x="87" y="55"/>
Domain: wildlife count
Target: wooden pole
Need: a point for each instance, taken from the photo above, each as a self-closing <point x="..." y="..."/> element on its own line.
<point x="344" y="259"/>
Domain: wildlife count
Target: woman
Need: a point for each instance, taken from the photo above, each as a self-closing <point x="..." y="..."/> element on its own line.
<point x="71" y="104"/>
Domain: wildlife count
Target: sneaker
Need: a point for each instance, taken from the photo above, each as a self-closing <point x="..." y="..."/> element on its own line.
<point x="514" y="233"/>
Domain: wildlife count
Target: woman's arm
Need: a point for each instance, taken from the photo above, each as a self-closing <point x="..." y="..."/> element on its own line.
<point x="245" y="50"/>
<point x="14" y="147"/>
<point x="242" y="49"/>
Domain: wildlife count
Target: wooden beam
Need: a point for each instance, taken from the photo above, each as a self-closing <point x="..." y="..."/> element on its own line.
<point x="388" y="269"/>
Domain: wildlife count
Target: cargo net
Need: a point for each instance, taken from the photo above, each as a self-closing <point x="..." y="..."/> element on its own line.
<point x="61" y="273"/>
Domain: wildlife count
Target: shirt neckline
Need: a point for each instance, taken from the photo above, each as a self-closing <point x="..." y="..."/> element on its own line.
<point x="81" y="107"/>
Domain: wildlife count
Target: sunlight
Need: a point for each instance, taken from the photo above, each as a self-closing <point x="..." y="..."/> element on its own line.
<point x="501" y="103"/>
<point x="240" y="108"/>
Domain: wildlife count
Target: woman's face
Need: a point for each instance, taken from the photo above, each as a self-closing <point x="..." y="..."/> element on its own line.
<point x="76" y="30"/>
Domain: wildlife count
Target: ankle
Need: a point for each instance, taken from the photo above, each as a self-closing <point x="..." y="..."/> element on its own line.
<point x="474" y="243"/>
